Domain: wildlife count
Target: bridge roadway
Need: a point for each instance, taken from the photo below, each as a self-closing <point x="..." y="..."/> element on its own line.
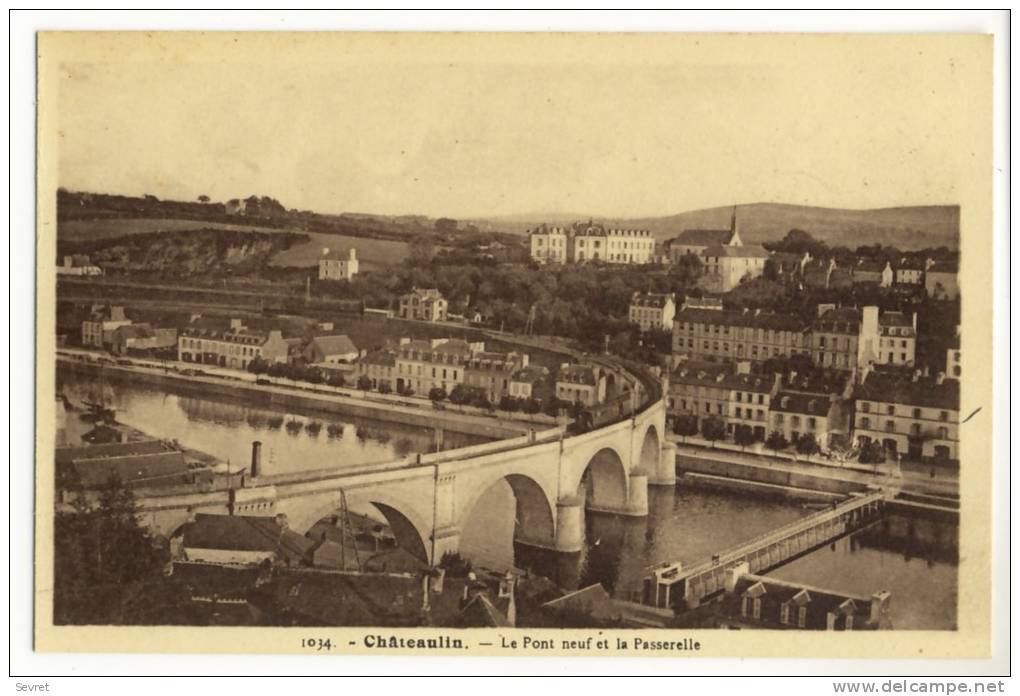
<point x="670" y="583"/>
<point x="427" y="499"/>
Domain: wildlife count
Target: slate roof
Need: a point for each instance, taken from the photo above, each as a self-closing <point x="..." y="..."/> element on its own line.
<point x="899" y="389"/>
<point x="649" y="299"/>
<point x="577" y="374"/>
<point x="704" y="238"/>
<point x="764" y="320"/>
<point x="481" y="612"/>
<point x="531" y="373"/>
<point x="800" y="402"/>
<point x="233" y="532"/>
<point x="944" y="267"/>
<point x="380" y="357"/>
<point x="750" y="251"/>
<point x="339" y="344"/>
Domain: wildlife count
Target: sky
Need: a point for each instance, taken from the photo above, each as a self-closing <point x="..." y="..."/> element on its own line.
<point x="486" y="127"/>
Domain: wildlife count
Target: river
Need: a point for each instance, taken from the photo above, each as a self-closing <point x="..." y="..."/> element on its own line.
<point x="916" y="560"/>
<point x="225" y="428"/>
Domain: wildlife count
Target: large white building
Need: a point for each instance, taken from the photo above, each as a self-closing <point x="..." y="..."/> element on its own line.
<point x="585" y="242"/>
<point x="335" y="265"/>
<point x="652" y="311"/>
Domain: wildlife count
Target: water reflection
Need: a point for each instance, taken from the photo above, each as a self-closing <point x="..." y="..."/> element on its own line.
<point x="293" y="440"/>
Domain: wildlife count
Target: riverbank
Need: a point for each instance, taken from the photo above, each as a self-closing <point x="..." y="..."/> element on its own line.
<point x="284" y="397"/>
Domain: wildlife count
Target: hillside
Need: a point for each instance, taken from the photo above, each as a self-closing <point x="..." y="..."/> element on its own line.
<point x="912" y="227"/>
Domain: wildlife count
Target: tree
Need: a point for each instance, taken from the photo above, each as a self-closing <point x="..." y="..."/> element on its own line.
<point x="444" y="224"/>
<point x="532" y="405"/>
<point x="385" y="388"/>
<point x="872" y="453"/>
<point x="510" y="404"/>
<point x="743" y="435"/>
<point x="685" y="425"/>
<point x="203" y="198"/>
<point x="437" y="394"/>
<point x="364" y="383"/>
<point x="776" y="441"/>
<point x="712" y="429"/>
<point x="258" y="366"/>
<point x="108" y="569"/>
<point x="806" y="444"/>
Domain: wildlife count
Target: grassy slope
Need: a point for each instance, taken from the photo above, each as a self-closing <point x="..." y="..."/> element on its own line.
<point x="911" y="227"/>
<point x="374" y="253"/>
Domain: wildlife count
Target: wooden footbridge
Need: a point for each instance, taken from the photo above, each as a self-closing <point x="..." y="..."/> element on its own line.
<point x="671" y="583"/>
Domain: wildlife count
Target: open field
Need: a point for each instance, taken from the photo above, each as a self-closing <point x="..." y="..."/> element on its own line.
<point x="373" y="253"/>
<point x="86" y="230"/>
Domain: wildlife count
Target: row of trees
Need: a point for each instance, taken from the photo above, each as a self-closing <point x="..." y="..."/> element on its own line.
<point x="713" y="429"/>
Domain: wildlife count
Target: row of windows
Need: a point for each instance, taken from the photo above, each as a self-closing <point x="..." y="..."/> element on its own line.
<point x="915" y="430"/>
<point x="420" y="370"/>
<point x="750" y="414"/>
<point x="218" y="347"/>
<point x="891" y="410"/>
<point x="795" y="421"/>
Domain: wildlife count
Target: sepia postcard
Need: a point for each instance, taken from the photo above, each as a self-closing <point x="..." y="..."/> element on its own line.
<point x="645" y="345"/>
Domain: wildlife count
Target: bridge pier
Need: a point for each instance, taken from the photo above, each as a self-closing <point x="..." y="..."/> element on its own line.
<point x="665" y="468"/>
<point x="444" y="540"/>
<point x="569" y="525"/>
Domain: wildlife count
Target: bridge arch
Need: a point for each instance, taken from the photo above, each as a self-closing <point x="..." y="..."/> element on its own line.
<point x="410" y="528"/>
<point x="650" y="450"/>
<point x="534" y="511"/>
<point x="603" y="481"/>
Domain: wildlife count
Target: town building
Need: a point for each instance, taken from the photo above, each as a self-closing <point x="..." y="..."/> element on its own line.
<point x="694" y="242"/>
<point x="97" y="330"/>
<point x="872" y="271"/>
<point x="953" y="359"/>
<point x="423" y="365"/>
<point x="940" y="281"/>
<point x="243" y="540"/>
<point x="380" y="367"/>
<point x="492" y="372"/>
<point x="789" y="267"/>
<point x="714" y="334"/>
<point x="845" y="337"/>
<point x="796" y="413"/>
<point x="528" y="382"/>
<point x="910" y="272"/>
<point x="911" y="415"/>
<point x="335" y="265"/>
<point x="580" y="384"/>
<point x="760" y="601"/>
<point x="728" y="266"/>
<point x="78" y="265"/>
<point x="142" y="338"/>
<point x="423" y="304"/>
<point x="652" y="311"/>
<point x="589" y="241"/>
<point x="702" y="303"/>
<point x="235" y="347"/>
<point x="140" y="463"/>
<point x="549" y="244"/>
<point x="331" y="349"/>
<point x="727" y="391"/>
<point x="897" y="338"/>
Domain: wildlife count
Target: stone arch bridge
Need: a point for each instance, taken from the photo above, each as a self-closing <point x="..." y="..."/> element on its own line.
<point x="428" y="499"/>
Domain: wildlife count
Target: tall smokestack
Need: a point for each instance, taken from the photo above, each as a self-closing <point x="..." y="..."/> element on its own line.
<point x="256" y="459"/>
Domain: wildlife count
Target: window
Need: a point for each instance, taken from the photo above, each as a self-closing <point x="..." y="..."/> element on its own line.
<point x="943" y="415"/>
<point x="891" y="410"/>
<point x="917" y="413"/>
<point x="740" y="397"/>
<point x="890" y="426"/>
<point x="738" y="412"/>
<point x="757" y="607"/>
<point x="811" y="423"/>
<point x="801" y="617"/>
<point x="784" y="613"/>
<point x="865" y="407"/>
<point x="943" y="433"/>
<point x="865" y="422"/>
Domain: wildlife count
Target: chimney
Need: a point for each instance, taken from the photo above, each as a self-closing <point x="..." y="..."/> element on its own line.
<point x="940" y="378"/>
<point x="236" y="324"/>
<point x="916" y="376"/>
<point x="879" y="603"/>
<point x="757" y="311"/>
<point x="256" y="459"/>
<point x="325" y="251"/>
<point x="281" y="520"/>
<point x="353" y="255"/>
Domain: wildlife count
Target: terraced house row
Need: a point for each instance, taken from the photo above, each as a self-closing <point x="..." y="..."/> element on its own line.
<point x="843" y="338"/>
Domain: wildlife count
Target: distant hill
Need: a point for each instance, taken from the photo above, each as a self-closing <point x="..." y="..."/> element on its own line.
<point x="912" y="227"/>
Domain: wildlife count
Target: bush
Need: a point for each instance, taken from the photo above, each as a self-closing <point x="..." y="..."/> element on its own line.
<point x="532" y="405"/>
<point x="806" y="444"/>
<point x="743" y="436"/>
<point x="776" y="441"/>
<point x="364" y="383"/>
<point x="437" y="394"/>
<point x="713" y="428"/>
<point x="385" y="388"/>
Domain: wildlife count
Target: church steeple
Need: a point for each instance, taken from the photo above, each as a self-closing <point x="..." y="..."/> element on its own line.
<point x="734" y="234"/>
